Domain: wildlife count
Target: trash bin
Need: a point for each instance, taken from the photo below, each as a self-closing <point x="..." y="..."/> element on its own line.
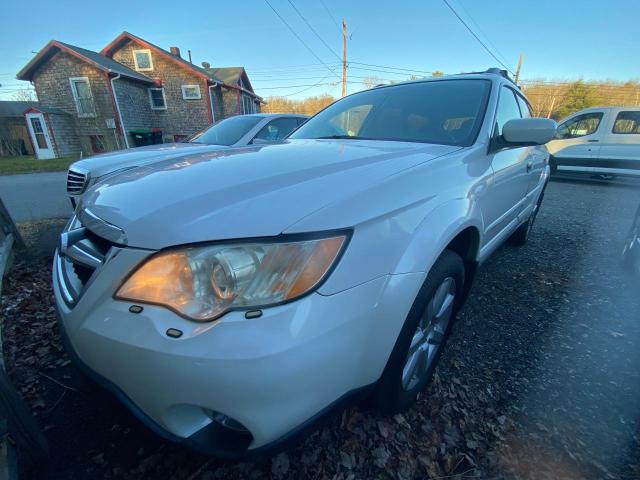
<point x="146" y="137"/>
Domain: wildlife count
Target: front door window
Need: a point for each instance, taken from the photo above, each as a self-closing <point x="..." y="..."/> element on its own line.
<point x="38" y="132"/>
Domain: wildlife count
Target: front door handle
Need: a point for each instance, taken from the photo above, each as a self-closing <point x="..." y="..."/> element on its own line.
<point x="529" y="165"/>
<point x="593" y="140"/>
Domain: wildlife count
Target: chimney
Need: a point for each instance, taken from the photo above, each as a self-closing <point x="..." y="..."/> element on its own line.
<point x="206" y="64"/>
<point x="175" y="51"/>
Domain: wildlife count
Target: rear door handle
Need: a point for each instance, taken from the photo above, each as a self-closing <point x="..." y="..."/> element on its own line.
<point x="593" y="140"/>
<point x="529" y="165"/>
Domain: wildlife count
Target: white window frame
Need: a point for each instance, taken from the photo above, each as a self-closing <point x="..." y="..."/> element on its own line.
<point x="184" y="94"/>
<point x="135" y="60"/>
<point x="76" y="99"/>
<point x="247" y="101"/>
<point x="164" y="98"/>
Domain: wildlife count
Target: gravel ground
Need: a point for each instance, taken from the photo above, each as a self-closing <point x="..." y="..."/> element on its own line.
<point x="540" y="378"/>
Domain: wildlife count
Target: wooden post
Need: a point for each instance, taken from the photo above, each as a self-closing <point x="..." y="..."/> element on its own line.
<point x="344" y="58"/>
<point x="553" y="102"/>
<point x="517" y="77"/>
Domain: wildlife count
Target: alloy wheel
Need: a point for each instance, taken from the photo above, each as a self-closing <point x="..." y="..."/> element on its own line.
<point x="429" y="334"/>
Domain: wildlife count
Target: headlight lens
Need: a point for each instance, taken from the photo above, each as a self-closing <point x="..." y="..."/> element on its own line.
<point x="203" y="283"/>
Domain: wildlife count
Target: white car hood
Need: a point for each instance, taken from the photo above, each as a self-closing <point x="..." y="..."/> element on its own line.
<point x="246" y="192"/>
<point x="105" y="163"/>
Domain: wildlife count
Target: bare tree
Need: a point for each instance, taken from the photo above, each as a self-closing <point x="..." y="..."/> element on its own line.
<point x="372" y="81"/>
<point x="25" y="95"/>
<point x="437" y="73"/>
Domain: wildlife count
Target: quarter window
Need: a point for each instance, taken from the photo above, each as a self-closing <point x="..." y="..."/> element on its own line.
<point x="525" y="110"/>
<point x="627" y="122"/>
<point x="157" y="99"/>
<point x="579" y="126"/>
<point x="191" y="92"/>
<point x="82" y="96"/>
<point x="507" y="110"/>
<point x="142" y="60"/>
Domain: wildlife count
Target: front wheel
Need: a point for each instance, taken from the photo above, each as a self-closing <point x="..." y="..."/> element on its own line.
<point x="423" y="336"/>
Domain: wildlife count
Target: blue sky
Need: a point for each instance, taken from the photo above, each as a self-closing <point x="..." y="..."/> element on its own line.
<point x="560" y="40"/>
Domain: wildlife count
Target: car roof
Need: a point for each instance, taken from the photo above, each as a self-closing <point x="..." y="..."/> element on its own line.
<point x="276" y="115"/>
<point x="493" y="74"/>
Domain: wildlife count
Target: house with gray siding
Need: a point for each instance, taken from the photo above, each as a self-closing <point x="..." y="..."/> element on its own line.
<point x="130" y="93"/>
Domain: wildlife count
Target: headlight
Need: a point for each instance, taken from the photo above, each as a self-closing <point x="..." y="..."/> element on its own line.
<point x="203" y="283"/>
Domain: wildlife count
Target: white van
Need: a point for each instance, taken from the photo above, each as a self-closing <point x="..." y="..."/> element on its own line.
<point x="598" y="140"/>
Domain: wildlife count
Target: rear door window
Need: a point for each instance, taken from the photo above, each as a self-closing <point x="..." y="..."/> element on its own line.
<point x="627" y="122"/>
<point x="277" y="129"/>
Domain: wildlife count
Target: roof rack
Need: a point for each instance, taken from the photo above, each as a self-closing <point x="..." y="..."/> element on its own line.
<point x="502" y="73"/>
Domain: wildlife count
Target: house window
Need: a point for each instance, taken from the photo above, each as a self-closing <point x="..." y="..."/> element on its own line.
<point x="191" y="92"/>
<point x="248" y="105"/>
<point x="97" y="143"/>
<point x="82" y="96"/>
<point x="142" y="60"/>
<point x="157" y="99"/>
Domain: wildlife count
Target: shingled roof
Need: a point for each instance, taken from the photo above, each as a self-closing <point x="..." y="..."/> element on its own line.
<point x="17" y="108"/>
<point x="98" y="60"/>
<point x="227" y="75"/>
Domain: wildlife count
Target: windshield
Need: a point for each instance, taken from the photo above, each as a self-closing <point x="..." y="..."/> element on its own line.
<point x="447" y="112"/>
<point x="227" y="131"/>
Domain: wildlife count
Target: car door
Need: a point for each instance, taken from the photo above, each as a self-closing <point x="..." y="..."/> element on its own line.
<point x="577" y="142"/>
<point x="536" y="156"/>
<point x="619" y="151"/>
<point x="276" y="130"/>
<point x="508" y="189"/>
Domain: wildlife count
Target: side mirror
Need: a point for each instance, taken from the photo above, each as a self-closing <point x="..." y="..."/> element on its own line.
<point x="528" y="131"/>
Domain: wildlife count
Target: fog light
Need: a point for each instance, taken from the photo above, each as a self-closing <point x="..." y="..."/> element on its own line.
<point x="228" y="422"/>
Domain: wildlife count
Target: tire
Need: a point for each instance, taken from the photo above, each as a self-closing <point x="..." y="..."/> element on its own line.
<point x="553" y="166"/>
<point x="521" y="234"/>
<point x="29" y="440"/>
<point x="397" y="390"/>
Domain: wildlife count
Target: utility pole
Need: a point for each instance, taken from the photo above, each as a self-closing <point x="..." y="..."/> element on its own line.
<point x="344" y="58"/>
<point x="518" y="69"/>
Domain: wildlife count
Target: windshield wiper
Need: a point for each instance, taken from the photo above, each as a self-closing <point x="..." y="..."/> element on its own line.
<point x="345" y="137"/>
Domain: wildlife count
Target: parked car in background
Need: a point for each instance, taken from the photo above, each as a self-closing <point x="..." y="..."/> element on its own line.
<point x="237" y="131"/>
<point x="599" y="140"/>
<point x="232" y="300"/>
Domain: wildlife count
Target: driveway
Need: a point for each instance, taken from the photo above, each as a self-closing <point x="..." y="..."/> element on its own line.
<point x="35" y="196"/>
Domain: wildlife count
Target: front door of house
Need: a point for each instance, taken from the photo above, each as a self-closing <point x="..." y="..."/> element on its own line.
<point x="40" y="136"/>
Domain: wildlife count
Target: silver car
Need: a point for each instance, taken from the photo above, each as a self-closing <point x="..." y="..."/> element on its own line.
<point x="237" y="131"/>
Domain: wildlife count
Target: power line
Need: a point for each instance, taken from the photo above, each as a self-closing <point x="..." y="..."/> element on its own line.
<point x="335" y="22"/>
<point x="307" y="88"/>
<point x="476" y="36"/>
<point x="314" y="30"/>
<point x="392" y="68"/>
<point x="300" y="39"/>
<point x="482" y="32"/>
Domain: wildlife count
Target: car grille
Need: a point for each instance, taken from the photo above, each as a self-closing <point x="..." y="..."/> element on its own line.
<point x="80" y="254"/>
<point x="76" y="182"/>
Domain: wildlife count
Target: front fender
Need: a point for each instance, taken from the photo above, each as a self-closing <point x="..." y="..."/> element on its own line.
<point x="436" y="231"/>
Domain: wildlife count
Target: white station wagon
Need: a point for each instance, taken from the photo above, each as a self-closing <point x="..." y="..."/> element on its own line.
<point x="232" y="298"/>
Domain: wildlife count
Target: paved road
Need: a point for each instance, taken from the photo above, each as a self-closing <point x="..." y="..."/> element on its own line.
<point x="35" y="196"/>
